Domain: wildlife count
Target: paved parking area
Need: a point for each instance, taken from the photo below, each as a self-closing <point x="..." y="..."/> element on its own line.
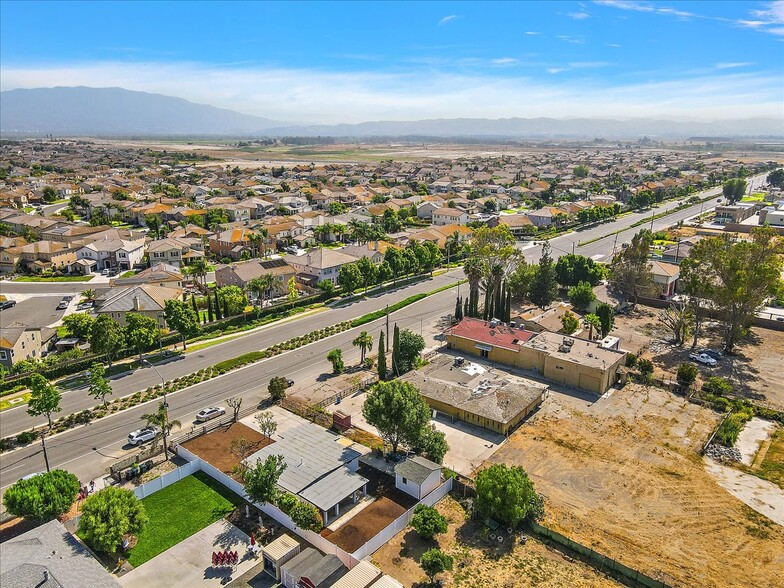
<point x="189" y="563"/>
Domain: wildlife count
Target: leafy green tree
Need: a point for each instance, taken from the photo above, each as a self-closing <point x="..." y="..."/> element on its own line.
<point x="384" y="273"/>
<point x="261" y="481"/>
<point x="544" y="286"/>
<point x="234" y="300"/>
<point x="742" y="274"/>
<point x="631" y="273"/>
<point x="267" y="425"/>
<point x="49" y="194"/>
<point x="291" y="286"/>
<point x="571" y="269"/>
<point x="326" y="286"/>
<point x="396" y="351"/>
<point x="42" y="497"/>
<point x="569" y="323"/>
<point x="44" y="398"/>
<point x="79" y="324"/>
<point x="365" y="343"/>
<point x="277" y="388"/>
<point x="581" y="295"/>
<point x="520" y="280"/>
<point x="107" y="337"/>
<point x="395" y="261"/>
<point x="182" y="318"/>
<point x="687" y="374"/>
<point x="734" y="189"/>
<point x="432" y="444"/>
<point x="141" y="331"/>
<point x="335" y="356"/>
<point x="398" y="411"/>
<point x="349" y="278"/>
<point x="580" y="171"/>
<point x="606" y="316"/>
<point x="382" y="358"/>
<point x="503" y="493"/>
<point x="214" y="217"/>
<point x="717" y="386"/>
<point x="391" y="221"/>
<point x="368" y="272"/>
<point x="99" y="385"/>
<point x="434" y="561"/>
<point x="776" y="178"/>
<point x="410" y="345"/>
<point x="108" y="515"/>
<point x="645" y="368"/>
<point x="261" y="286"/>
<point x="306" y="516"/>
<point x="428" y="522"/>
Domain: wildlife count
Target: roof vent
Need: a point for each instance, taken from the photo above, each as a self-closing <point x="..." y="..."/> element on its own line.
<point x="568" y="342"/>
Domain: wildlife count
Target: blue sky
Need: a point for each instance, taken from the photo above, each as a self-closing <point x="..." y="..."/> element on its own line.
<point x="350" y="62"/>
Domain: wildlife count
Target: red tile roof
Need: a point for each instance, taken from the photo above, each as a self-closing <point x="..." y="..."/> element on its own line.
<point x="498" y="336"/>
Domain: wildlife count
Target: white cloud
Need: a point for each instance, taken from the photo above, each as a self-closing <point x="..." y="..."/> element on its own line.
<point x="616" y="45"/>
<point x="588" y="64"/>
<point x="582" y="15"/>
<point x="626" y="5"/>
<point x="532" y="33"/>
<point x="304" y="95"/>
<point x="575" y="39"/>
<point x="504" y="61"/>
<point x="767" y="20"/>
<point x="447" y="19"/>
<point x="733" y="65"/>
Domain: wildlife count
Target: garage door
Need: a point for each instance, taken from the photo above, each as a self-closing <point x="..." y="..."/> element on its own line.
<point x="589" y="383"/>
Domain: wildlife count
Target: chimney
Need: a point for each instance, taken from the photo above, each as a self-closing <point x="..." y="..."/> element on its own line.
<point x="136" y="303"/>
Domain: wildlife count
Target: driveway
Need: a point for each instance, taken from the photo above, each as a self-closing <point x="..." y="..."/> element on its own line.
<point x="189" y="563"/>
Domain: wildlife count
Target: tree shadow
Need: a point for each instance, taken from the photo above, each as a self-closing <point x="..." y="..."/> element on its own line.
<point x="414" y="546"/>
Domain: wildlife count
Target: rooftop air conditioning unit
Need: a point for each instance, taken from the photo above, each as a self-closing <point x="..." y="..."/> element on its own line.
<point x="568" y="342"/>
<point x="513" y="324"/>
<point x="493" y="323"/>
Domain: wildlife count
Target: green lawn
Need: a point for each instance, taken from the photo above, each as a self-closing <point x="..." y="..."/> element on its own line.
<point x="6" y="402"/>
<point x="772" y="467"/>
<point x="54" y="279"/>
<point x="180" y="510"/>
<point x="128" y="274"/>
<point x="756" y="197"/>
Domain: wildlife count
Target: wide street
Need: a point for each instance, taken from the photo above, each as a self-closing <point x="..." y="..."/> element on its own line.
<point x="90" y="449"/>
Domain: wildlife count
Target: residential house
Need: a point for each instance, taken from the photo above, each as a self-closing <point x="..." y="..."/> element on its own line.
<point x="449" y="216"/>
<point x="665" y="278"/>
<point x="19" y="342"/>
<point x="159" y="274"/>
<point x="240" y="274"/>
<point x="292" y="205"/>
<point x="519" y="224"/>
<point x="425" y="210"/>
<point x="171" y="250"/>
<point x="119" y="254"/>
<point x="143" y="299"/>
<point x="319" y="264"/>
<point x="37" y="257"/>
<point x="231" y="243"/>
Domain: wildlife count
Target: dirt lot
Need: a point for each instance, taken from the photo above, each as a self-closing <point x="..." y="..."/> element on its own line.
<point x="390" y="504"/>
<point x="623" y="476"/>
<point x="215" y="447"/>
<point x="754" y="370"/>
<point x="479" y="565"/>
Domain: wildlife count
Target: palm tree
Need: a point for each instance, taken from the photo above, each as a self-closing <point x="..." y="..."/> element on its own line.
<point x="365" y="343"/>
<point x="258" y="240"/>
<point x="594" y="322"/>
<point x="160" y="419"/>
<point x="474" y="270"/>
<point x="89" y="294"/>
<point x="198" y="269"/>
<point x="261" y="286"/>
<point x="339" y="230"/>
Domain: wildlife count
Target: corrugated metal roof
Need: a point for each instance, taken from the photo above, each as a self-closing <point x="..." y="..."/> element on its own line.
<point x="386" y="581"/>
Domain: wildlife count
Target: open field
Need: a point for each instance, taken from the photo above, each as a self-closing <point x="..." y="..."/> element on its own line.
<point x="755" y="370"/>
<point x="479" y="565"/>
<point x="622" y="475"/>
<point x="180" y="510"/>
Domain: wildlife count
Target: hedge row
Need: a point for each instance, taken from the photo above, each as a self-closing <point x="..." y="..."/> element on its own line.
<point x="377" y="314"/>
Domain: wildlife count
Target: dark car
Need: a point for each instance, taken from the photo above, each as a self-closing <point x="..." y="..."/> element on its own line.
<point x="7" y="304"/>
<point x="289" y="382"/>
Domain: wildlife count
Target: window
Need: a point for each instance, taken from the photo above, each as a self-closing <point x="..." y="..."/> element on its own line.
<point x="405" y="481"/>
<point x="485" y="353"/>
<point x="121" y="255"/>
<point x="3" y="354"/>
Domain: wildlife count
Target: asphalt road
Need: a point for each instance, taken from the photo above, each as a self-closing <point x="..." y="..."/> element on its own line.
<point x="36" y="311"/>
<point x="87" y="451"/>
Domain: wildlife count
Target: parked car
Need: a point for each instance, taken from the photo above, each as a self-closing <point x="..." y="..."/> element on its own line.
<point x="703" y="359"/>
<point x="289" y="382"/>
<point x="205" y="414"/>
<point x="85" y="306"/>
<point x="717" y="355"/>
<point x="63" y="305"/>
<point x="143" y="435"/>
<point x="7" y="304"/>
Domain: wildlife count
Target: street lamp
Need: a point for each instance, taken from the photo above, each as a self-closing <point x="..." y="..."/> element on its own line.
<point x="165" y="423"/>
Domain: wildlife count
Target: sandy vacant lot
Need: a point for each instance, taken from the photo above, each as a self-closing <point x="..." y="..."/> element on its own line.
<point x="479" y="565"/>
<point x="755" y="370"/>
<point x="623" y="476"/>
<point x="215" y="447"/>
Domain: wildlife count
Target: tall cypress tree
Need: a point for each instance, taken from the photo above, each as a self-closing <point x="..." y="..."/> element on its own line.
<point x="396" y="351"/>
<point x="210" y="316"/>
<point x="217" y="306"/>
<point x="458" y="309"/>
<point x="382" y="357"/>
<point x="225" y="307"/>
<point x="467" y="306"/>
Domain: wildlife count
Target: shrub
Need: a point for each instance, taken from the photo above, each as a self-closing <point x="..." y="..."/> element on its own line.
<point x="42" y="497"/>
<point x="26" y="437"/>
<point x="287" y="501"/>
<point x="717" y="386"/>
<point x="307" y="516"/>
<point x="428" y="522"/>
<point x="687" y="374"/>
<point x="631" y="360"/>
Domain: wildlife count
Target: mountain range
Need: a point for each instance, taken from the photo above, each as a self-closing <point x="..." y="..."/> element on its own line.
<point x="82" y="111"/>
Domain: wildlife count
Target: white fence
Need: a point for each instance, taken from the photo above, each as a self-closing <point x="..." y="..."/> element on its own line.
<point x="165" y="480"/>
<point x="400" y="523"/>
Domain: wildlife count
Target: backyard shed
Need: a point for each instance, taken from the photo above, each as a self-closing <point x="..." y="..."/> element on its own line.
<point x="292" y="571"/>
<point x="386" y="581"/>
<point x="323" y="573"/>
<point x="277" y="553"/>
<point x="417" y="476"/>
<point x="360" y="576"/>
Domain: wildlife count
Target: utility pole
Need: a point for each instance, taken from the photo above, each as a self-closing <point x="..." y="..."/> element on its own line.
<point x="573" y="244"/>
<point x="387" y="327"/>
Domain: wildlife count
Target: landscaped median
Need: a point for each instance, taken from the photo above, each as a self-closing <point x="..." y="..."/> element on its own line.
<point x="118" y="404"/>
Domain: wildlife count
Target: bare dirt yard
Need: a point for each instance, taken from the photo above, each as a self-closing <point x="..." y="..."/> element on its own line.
<point x="215" y="447"/>
<point x="479" y="564"/>
<point x="754" y="371"/>
<point x="623" y="476"/>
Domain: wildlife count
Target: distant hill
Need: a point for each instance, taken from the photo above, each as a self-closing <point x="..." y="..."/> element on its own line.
<point x="115" y="111"/>
<point x="543" y="127"/>
<point x="118" y="112"/>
